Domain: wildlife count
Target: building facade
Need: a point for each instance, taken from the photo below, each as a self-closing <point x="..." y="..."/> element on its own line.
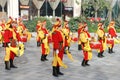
<point x="36" y="8"/>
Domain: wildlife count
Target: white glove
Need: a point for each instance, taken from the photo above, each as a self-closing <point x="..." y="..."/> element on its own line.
<point x="117" y="37"/>
<point x="46" y="34"/>
<point x="8" y="44"/>
<point x="20" y="42"/>
<point x="57" y="51"/>
<point x="114" y="38"/>
<point x="89" y="39"/>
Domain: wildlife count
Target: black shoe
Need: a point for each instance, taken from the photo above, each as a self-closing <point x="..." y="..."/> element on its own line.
<point x="55" y="74"/>
<point x="42" y="58"/>
<point x="45" y="58"/>
<point x="109" y="50"/>
<point x="86" y="63"/>
<point x="58" y="71"/>
<point x="99" y="55"/>
<point x="112" y="50"/>
<point x="7" y="66"/>
<point x="83" y="63"/>
<point x="79" y="47"/>
<point x="11" y="64"/>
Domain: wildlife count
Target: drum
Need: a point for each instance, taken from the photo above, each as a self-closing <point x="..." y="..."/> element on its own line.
<point x="75" y="39"/>
<point x="110" y="41"/>
<point x="24" y="38"/>
<point x="95" y="45"/>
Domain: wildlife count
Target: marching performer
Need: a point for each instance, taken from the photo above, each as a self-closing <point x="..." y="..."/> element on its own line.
<point x="66" y="32"/>
<point x="87" y="51"/>
<point x="38" y="38"/>
<point x="45" y="49"/>
<point x="112" y="34"/>
<point x="58" y="48"/>
<point x="44" y="29"/>
<point x="8" y="37"/>
<point x="101" y="38"/>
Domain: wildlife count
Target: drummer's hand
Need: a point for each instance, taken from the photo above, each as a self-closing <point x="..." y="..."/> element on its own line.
<point x="117" y="37"/>
<point x="57" y="51"/>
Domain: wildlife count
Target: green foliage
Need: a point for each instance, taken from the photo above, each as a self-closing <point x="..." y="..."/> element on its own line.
<point x="31" y="24"/>
<point x="73" y="24"/>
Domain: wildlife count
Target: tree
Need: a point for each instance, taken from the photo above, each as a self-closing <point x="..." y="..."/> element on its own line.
<point x="98" y="5"/>
<point x="109" y="7"/>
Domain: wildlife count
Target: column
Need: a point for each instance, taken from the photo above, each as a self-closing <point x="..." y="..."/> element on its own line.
<point x="77" y="8"/>
<point x="13" y="8"/>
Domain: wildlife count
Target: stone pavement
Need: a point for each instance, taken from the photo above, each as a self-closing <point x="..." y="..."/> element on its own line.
<point x="31" y="68"/>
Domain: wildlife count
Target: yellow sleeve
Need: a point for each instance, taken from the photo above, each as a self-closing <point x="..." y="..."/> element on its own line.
<point x="100" y="33"/>
<point x="83" y="37"/>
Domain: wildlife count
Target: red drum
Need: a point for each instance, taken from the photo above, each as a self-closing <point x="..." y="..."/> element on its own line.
<point x="24" y="38"/>
<point x="110" y="41"/>
<point x="95" y="45"/>
<point x="75" y="39"/>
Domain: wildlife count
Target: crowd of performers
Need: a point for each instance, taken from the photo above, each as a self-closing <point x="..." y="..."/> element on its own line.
<point x="99" y="41"/>
<point x="13" y="35"/>
<point x="61" y="38"/>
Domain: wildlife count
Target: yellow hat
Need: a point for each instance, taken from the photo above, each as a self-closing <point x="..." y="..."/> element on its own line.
<point x="112" y="22"/>
<point x="99" y="24"/>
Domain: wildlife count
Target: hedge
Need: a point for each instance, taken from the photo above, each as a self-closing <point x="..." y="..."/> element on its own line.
<point x="73" y="24"/>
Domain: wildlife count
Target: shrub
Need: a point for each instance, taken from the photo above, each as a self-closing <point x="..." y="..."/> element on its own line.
<point x="73" y="24"/>
<point x="31" y="24"/>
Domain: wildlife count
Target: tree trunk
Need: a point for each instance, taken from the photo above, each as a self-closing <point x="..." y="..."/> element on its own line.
<point x="95" y="14"/>
<point x="110" y="15"/>
<point x="38" y="12"/>
<point x="3" y="9"/>
<point x="53" y="13"/>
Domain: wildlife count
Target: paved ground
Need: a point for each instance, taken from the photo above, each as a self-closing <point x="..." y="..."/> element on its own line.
<point x="31" y="68"/>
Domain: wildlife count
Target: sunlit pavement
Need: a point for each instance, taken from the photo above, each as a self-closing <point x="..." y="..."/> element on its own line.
<point x="31" y="68"/>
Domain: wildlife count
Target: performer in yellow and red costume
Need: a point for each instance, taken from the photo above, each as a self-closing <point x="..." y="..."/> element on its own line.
<point x="68" y="38"/>
<point x="112" y="34"/>
<point x="101" y="38"/>
<point x="87" y="51"/>
<point x="58" y="48"/>
<point x="38" y="38"/>
<point x="44" y="41"/>
<point x="8" y="37"/>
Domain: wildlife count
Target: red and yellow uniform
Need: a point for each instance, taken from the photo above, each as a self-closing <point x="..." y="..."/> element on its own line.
<point x="66" y="32"/>
<point x="87" y="51"/>
<point x="58" y="49"/>
<point x="43" y="35"/>
<point x="9" y="35"/>
<point x="112" y="34"/>
<point x="101" y="38"/>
